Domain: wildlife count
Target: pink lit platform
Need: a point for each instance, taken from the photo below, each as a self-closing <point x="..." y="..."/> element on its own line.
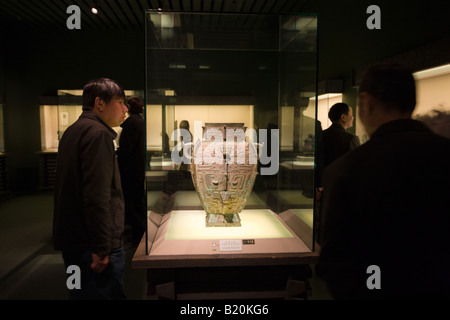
<point x="181" y="239"/>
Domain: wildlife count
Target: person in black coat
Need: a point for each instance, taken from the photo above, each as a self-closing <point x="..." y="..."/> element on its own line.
<point x="336" y="140"/>
<point x="88" y="201"/>
<point x="131" y="159"/>
<point x="386" y="221"/>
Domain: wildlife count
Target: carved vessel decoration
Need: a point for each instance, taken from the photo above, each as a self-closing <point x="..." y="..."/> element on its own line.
<point x="224" y="168"/>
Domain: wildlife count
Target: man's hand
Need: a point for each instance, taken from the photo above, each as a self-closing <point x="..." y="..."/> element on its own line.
<point x="98" y="264"/>
<point x="319" y="191"/>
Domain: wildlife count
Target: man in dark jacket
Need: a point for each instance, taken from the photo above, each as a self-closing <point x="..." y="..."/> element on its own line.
<point x="336" y="140"/>
<point x="386" y="204"/>
<point x="88" y="203"/>
<point x="131" y="159"/>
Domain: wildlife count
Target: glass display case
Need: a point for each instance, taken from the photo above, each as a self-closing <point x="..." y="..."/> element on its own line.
<point x="48" y="112"/>
<point x="217" y="70"/>
<point x="2" y="131"/>
<point x="3" y="183"/>
<point x="70" y="107"/>
<point x="433" y="98"/>
<point x="56" y="115"/>
<point x="48" y="115"/>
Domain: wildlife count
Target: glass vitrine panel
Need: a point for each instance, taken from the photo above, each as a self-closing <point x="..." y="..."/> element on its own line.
<point x="70" y="107"/>
<point x="57" y="114"/>
<point x="433" y="99"/>
<point x="2" y="130"/>
<point x="49" y="127"/>
<point x="258" y="71"/>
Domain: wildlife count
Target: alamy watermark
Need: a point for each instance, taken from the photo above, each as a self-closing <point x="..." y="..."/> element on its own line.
<point x="74" y="280"/>
<point x="374" y="280"/>
<point x="374" y="20"/>
<point x="74" y="20"/>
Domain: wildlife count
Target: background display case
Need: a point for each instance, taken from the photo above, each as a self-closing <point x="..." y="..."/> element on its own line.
<point x="2" y="130"/>
<point x="219" y="68"/>
<point x="48" y="116"/>
<point x="3" y="183"/>
<point x="56" y="115"/>
<point x="433" y="98"/>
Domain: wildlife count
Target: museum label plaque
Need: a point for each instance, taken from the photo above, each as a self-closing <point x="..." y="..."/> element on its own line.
<point x="230" y="245"/>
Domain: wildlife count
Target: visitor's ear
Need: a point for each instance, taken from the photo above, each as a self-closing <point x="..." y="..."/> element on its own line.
<point x="361" y="98"/>
<point x="370" y="102"/>
<point x="99" y="104"/>
<point x="365" y="100"/>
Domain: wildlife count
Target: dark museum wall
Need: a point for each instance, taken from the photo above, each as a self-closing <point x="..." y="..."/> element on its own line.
<point x="36" y="63"/>
<point x="346" y="44"/>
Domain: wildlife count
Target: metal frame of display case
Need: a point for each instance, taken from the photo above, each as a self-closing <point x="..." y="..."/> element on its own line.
<point x="3" y="155"/>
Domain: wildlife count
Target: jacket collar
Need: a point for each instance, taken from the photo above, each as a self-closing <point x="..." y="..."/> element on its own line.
<point x="93" y="116"/>
<point x="400" y="125"/>
<point x="337" y="125"/>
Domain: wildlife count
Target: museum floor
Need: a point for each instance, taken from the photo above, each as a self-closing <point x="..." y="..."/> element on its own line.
<point x="30" y="269"/>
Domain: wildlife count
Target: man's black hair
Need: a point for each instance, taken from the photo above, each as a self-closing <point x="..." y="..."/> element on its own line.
<point x="337" y="110"/>
<point x="392" y="85"/>
<point x="104" y="88"/>
<point x="135" y="105"/>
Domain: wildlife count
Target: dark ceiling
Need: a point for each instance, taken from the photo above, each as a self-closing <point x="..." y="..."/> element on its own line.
<point x="345" y="43"/>
<point x="129" y="14"/>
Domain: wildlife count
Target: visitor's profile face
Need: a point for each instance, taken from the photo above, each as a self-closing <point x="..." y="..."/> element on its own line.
<point x="114" y="112"/>
<point x="348" y="118"/>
